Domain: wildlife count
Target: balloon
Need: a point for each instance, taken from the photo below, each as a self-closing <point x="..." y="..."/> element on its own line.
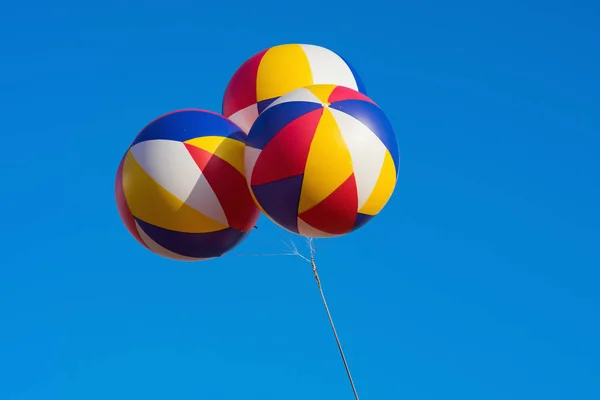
<point x="322" y="161"/>
<point x="180" y="187"/>
<point x="278" y="70"/>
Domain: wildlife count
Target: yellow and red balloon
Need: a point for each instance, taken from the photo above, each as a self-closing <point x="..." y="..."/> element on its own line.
<point x="180" y="187"/>
<point x="322" y="161"/>
<point x="278" y="70"/>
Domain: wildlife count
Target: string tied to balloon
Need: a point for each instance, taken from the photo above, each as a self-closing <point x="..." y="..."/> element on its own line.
<point x="292" y="250"/>
<point x="311" y="259"/>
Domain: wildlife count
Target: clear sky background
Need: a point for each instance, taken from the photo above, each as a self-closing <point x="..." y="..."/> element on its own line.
<point x="478" y="281"/>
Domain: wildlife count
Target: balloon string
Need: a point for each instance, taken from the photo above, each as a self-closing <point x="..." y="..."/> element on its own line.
<point x="337" y="339"/>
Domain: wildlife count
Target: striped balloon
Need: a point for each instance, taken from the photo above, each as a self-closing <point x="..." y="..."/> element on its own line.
<point x="278" y="70"/>
<point x="322" y="161"/>
<point x="180" y="187"/>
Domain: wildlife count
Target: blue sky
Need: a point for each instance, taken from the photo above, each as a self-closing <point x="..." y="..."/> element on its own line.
<point x="478" y="281"/>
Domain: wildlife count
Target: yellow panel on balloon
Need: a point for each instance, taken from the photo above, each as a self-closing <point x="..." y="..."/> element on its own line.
<point x="281" y="70"/>
<point x="322" y="92"/>
<point x="153" y="204"/>
<point x="328" y="166"/>
<point x="383" y="188"/>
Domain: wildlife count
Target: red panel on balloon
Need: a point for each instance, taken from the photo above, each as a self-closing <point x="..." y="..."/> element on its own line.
<point x="232" y="191"/>
<point x="343" y="93"/>
<point x="243" y="84"/>
<point x="337" y="213"/>
<point x="286" y="154"/>
<point x="200" y="156"/>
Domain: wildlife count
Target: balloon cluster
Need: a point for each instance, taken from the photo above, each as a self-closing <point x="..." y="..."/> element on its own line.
<point x="298" y="139"/>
